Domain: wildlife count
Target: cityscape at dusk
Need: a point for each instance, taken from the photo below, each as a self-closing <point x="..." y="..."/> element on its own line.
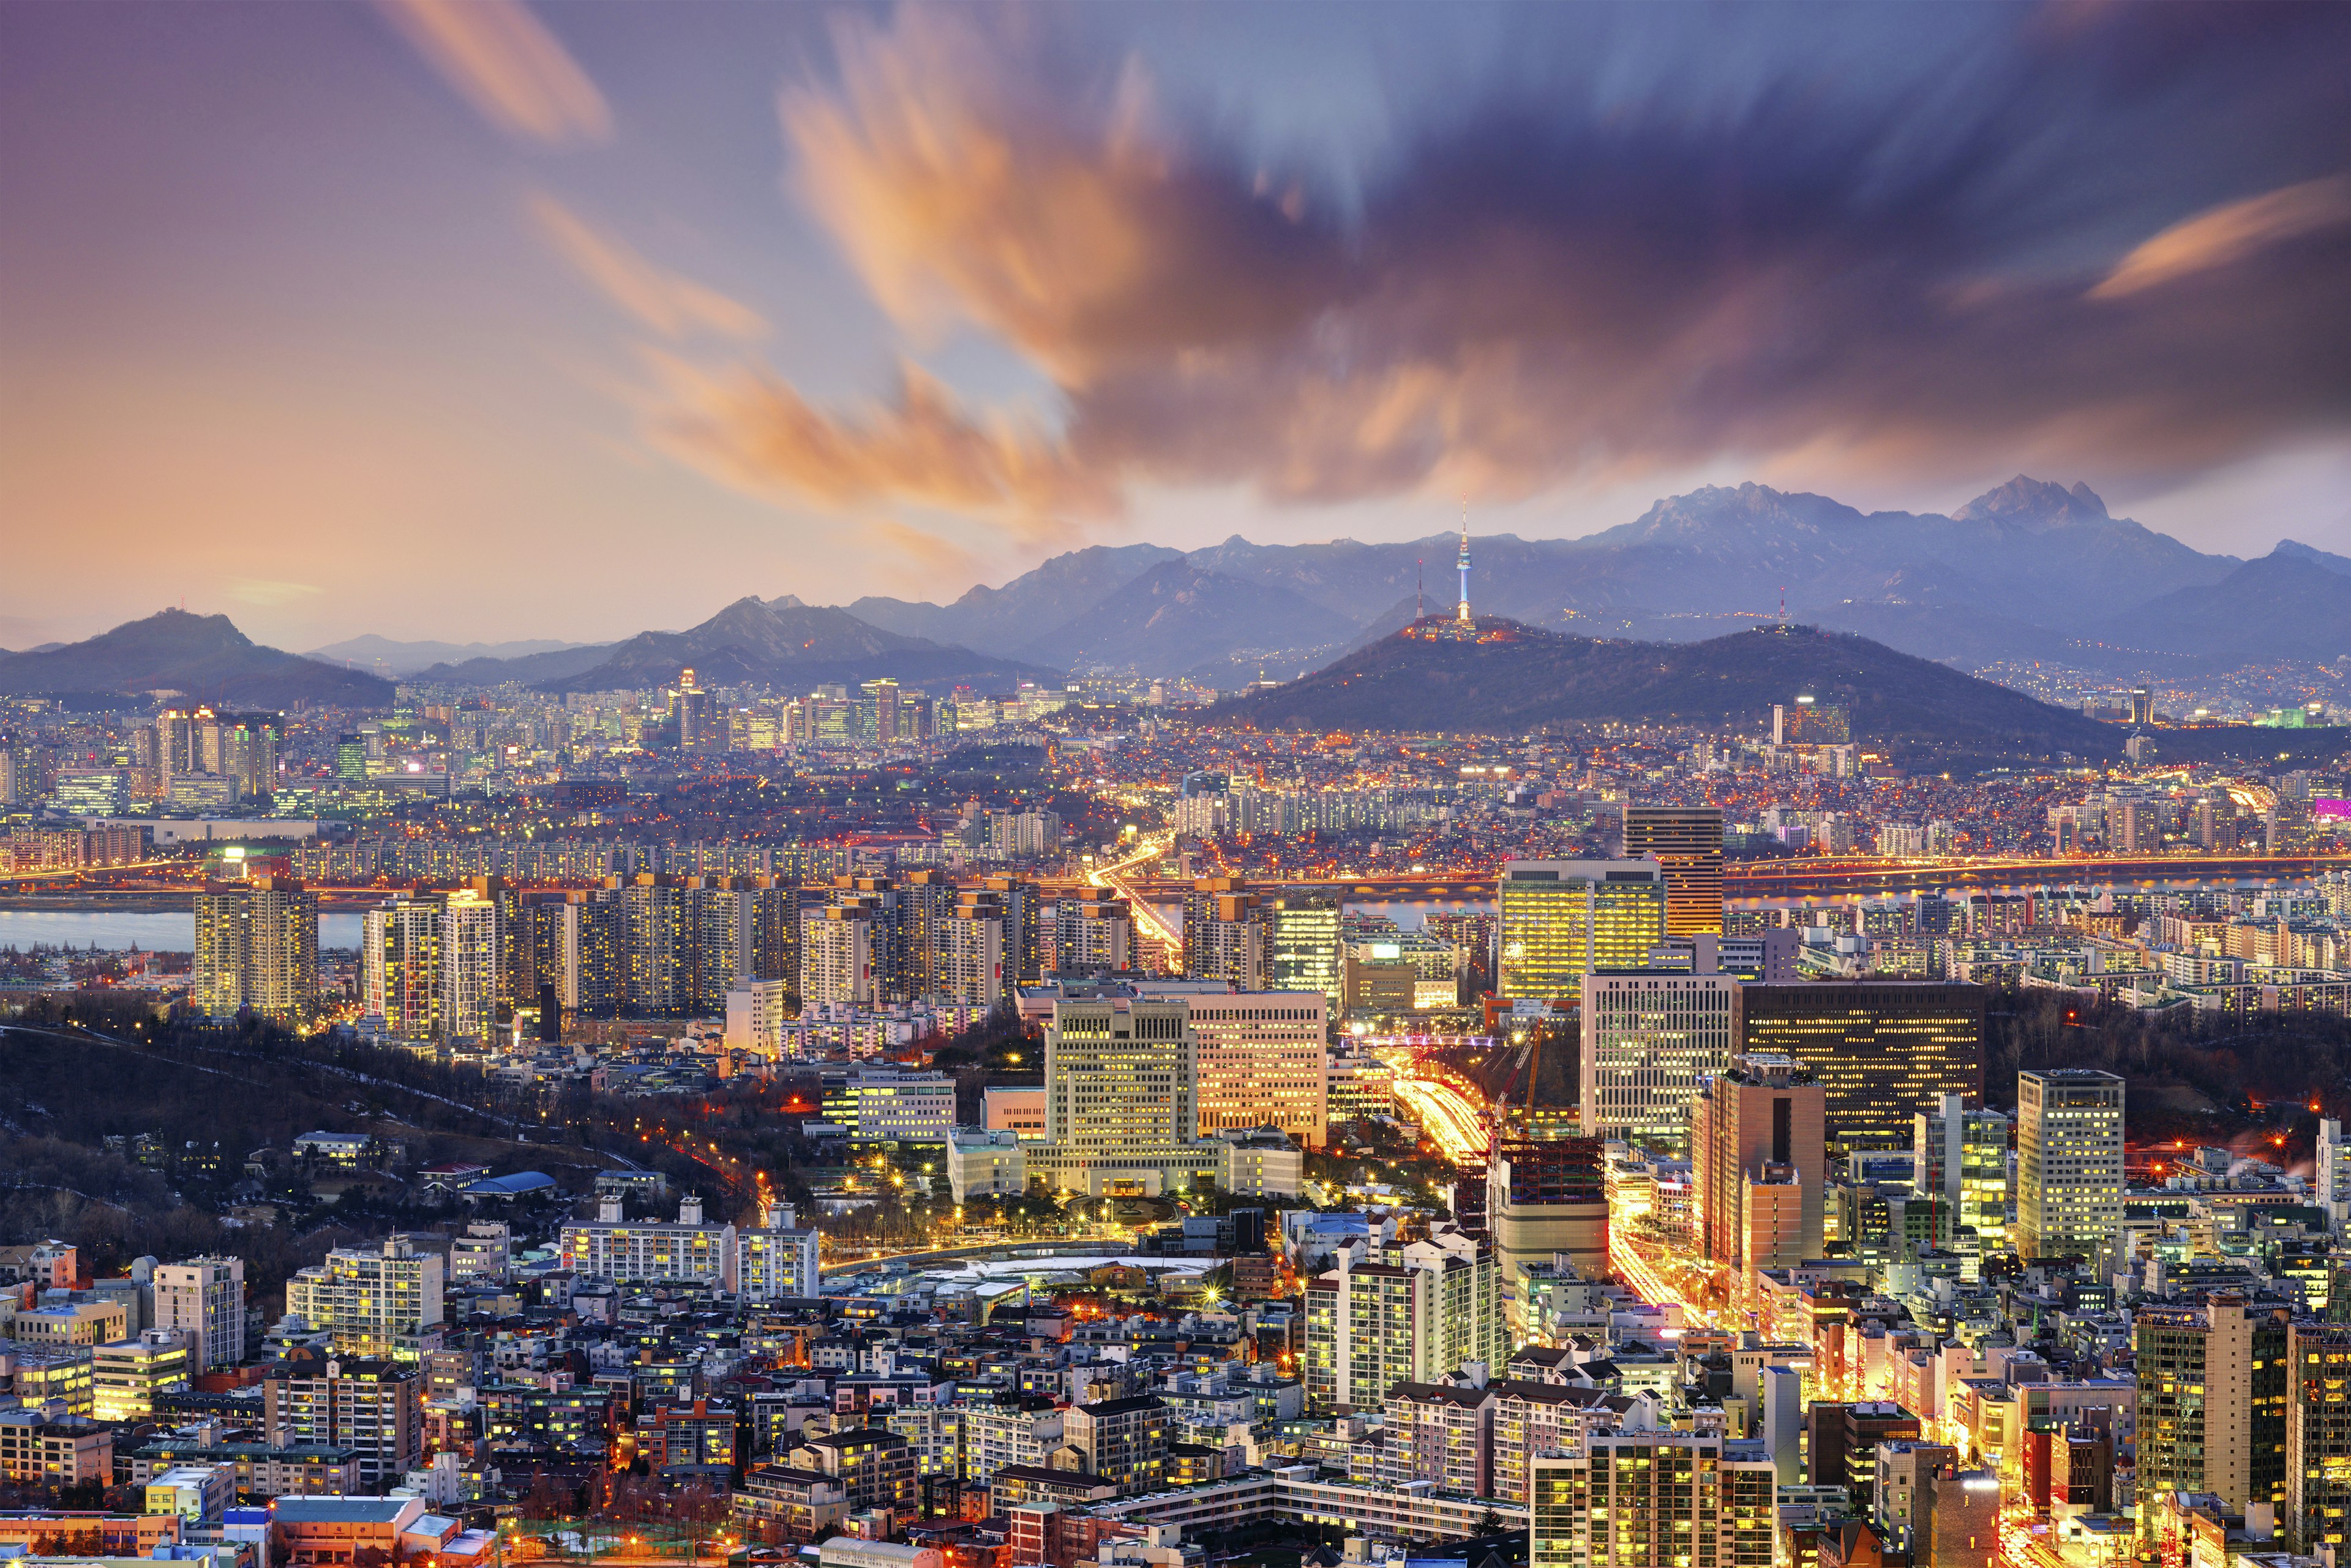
<point x="1041" y="785"/>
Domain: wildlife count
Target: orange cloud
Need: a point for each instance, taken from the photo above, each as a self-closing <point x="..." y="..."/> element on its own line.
<point x="669" y="304"/>
<point x="2229" y="234"/>
<point x="503" y="61"/>
<point x="753" y="430"/>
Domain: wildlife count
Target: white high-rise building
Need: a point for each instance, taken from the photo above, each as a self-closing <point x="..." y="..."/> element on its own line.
<point x="469" y="967"/>
<point x="2334" y="1174"/>
<point x="400" y="968"/>
<point x="2069" y="1162"/>
<point x="203" y="1299"/>
<point x="1651" y="1038"/>
<point x="779" y="1259"/>
<point x="686" y="1251"/>
<point x="376" y="1302"/>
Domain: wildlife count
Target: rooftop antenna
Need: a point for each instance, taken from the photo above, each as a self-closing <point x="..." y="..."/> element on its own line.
<point x="1783" y="607"/>
<point x="1419" y="589"/>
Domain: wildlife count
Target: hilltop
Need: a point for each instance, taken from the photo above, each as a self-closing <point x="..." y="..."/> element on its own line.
<point x="203" y="657"/>
<point x="1518" y="678"/>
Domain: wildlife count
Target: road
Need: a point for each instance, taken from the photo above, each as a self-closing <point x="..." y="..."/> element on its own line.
<point x="1151" y="927"/>
<point x="1449" y="1118"/>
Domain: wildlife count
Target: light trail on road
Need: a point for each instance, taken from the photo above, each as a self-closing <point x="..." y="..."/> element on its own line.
<point x="1447" y="1115"/>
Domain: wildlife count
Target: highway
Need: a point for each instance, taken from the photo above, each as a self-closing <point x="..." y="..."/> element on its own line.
<point x="1151" y="927"/>
<point x="1452" y="1121"/>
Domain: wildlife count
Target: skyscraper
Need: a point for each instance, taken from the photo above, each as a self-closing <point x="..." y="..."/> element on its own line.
<point x="1563" y="919"/>
<point x="2317" y="1435"/>
<point x="2212" y="1399"/>
<point x="1651" y="1038"/>
<point x="2069" y="1162"/>
<point x="1759" y="1159"/>
<point x="1962" y="1156"/>
<point x="1686" y="844"/>
<point x="1881" y="1051"/>
<point x="1545" y="1197"/>
<point x="470" y="943"/>
<point x="1301" y="944"/>
<point x="1224" y="936"/>
<point x="1023" y="912"/>
<point x="402" y="966"/>
<point x="1262" y="1057"/>
<point x="258" y="946"/>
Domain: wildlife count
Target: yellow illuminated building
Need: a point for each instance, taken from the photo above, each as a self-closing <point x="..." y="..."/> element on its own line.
<point x="1563" y="919"/>
<point x="1687" y="842"/>
<point x="1883" y="1050"/>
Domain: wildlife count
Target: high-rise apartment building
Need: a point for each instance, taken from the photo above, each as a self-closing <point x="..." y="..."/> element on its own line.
<point x="1431" y="1308"/>
<point x="1023" y="909"/>
<point x="1303" y="949"/>
<point x="2213" y="1385"/>
<point x="1686" y="844"/>
<point x="655" y="1251"/>
<point x="376" y="1302"/>
<point x="1757" y="1157"/>
<point x="968" y="962"/>
<point x="1264" y="1062"/>
<point x="2069" y="1162"/>
<point x="924" y="902"/>
<point x="204" y="1300"/>
<point x="844" y="946"/>
<point x="1881" y="1051"/>
<point x="400" y="970"/>
<point x="1224" y="935"/>
<point x="576" y="943"/>
<point x="373" y="1407"/>
<point x="471" y="941"/>
<point x="256" y="947"/>
<point x="1654" y="1500"/>
<point x="1962" y="1156"/>
<point x="1121" y="1074"/>
<point x="1651" y="1038"/>
<point x="1561" y="920"/>
<point x="778" y="1261"/>
<point x="1094" y="933"/>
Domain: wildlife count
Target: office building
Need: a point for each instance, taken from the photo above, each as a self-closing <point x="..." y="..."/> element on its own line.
<point x="1301" y="944"/>
<point x="1758" y="1162"/>
<point x="1686" y="844"/>
<point x="380" y="1303"/>
<point x="1121" y="1074"/>
<point x="2069" y="1162"/>
<point x="1094" y="933"/>
<point x="2317" y="1437"/>
<point x="373" y="1407"/>
<point x="632" y="1251"/>
<point x="1654" y="1500"/>
<point x="1561" y="920"/>
<point x="2213" y="1394"/>
<point x="1544" y="1198"/>
<point x="884" y="1104"/>
<point x="125" y="1376"/>
<point x="256" y="947"/>
<point x="1262" y="1062"/>
<point x="1651" y="1037"/>
<point x="1430" y="1309"/>
<point x="1961" y="1156"/>
<point x="1883" y="1052"/>
<point x="203" y="1300"/>
<point x="1841" y="1445"/>
<point x="1808" y="721"/>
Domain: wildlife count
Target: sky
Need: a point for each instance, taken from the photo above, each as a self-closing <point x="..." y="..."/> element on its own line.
<point x="472" y="321"/>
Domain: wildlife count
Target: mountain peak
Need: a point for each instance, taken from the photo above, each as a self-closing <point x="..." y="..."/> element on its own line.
<point x="2028" y="500"/>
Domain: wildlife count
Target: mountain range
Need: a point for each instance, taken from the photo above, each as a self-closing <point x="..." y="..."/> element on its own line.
<point x="386" y="656"/>
<point x="205" y="658"/>
<point x="2031" y="569"/>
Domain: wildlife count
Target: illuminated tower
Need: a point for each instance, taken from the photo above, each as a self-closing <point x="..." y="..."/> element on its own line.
<point x="1462" y="615"/>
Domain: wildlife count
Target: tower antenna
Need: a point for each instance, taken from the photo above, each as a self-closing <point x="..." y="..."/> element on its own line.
<point x="1419" y="589"/>
<point x="1783" y="607"/>
<point x="1462" y="613"/>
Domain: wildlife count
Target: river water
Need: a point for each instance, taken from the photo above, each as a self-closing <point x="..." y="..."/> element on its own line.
<point x="155" y="930"/>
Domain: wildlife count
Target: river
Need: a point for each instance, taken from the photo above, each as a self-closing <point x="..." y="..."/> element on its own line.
<point x="155" y="930"/>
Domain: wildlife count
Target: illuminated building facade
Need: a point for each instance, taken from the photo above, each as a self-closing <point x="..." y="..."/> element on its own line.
<point x="1094" y="933"/>
<point x="1686" y="844"/>
<point x="1961" y="1155"/>
<point x="1651" y="1038"/>
<point x="1545" y="1197"/>
<point x="1759" y="1158"/>
<point x="2069" y="1162"/>
<point x="376" y="1302"/>
<point x="1881" y="1051"/>
<point x="2212" y="1397"/>
<point x="1561" y="920"/>
<point x="401" y="968"/>
<point x="1654" y="1500"/>
<point x="1224" y="936"/>
<point x="1263" y="1062"/>
<point x="1301" y="944"/>
<point x="967" y="961"/>
<point x="256" y="947"/>
<point x="2317" y="1435"/>
<point x="1121" y="1074"/>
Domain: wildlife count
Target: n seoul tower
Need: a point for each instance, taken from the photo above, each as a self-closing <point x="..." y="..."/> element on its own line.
<point x="1461" y="615"/>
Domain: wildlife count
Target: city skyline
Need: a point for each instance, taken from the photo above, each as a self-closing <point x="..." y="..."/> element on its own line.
<point x="430" y="320"/>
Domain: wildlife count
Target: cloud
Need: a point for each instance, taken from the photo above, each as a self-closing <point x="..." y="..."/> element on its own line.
<point x="253" y="590"/>
<point x="671" y="305"/>
<point x="942" y="560"/>
<point x="750" y="428"/>
<point x="501" y="59"/>
<point x="1597" y="270"/>
<point x="2231" y="232"/>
